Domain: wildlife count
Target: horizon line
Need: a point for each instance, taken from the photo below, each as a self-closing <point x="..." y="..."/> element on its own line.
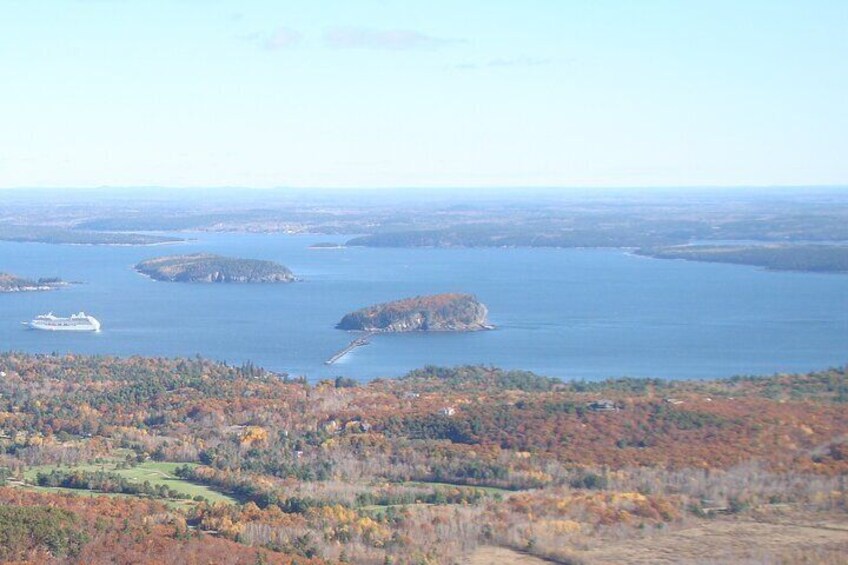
<point x="354" y="188"/>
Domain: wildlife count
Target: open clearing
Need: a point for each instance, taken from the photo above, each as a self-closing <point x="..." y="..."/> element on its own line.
<point x="156" y="472"/>
<point x="487" y="490"/>
<point x="733" y="541"/>
<point x="723" y="540"/>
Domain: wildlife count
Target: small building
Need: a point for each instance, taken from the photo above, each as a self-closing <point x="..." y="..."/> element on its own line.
<point x="603" y="406"/>
<point x="448" y="411"/>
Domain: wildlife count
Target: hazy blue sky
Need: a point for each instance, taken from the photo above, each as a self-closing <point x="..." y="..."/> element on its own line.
<point x="423" y="93"/>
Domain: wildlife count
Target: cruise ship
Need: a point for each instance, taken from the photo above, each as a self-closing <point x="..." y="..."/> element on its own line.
<point x="76" y="323"/>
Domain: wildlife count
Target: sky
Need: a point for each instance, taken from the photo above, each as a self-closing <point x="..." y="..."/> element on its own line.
<point x="423" y="93"/>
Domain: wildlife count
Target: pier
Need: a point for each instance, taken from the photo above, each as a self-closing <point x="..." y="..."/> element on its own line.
<point x="358" y="342"/>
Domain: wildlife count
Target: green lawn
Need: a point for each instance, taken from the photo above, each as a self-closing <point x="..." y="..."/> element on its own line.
<point x="78" y="492"/>
<point x="31" y="472"/>
<point x="487" y="490"/>
<point x="156" y="472"/>
<point x="379" y="509"/>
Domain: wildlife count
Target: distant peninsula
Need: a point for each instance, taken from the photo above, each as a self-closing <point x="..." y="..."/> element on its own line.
<point x="14" y="283"/>
<point x="774" y="257"/>
<point x="436" y="313"/>
<point x="208" y="268"/>
<point x="67" y="236"/>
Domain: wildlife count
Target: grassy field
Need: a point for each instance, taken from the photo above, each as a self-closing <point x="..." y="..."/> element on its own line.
<point x="795" y="538"/>
<point x="156" y="472"/>
<point x="62" y="490"/>
<point x="792" y="538"/>
<point x="488" y="490"/>
<point x="378" y="509"/>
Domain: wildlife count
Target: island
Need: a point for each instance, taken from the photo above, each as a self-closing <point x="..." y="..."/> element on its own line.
<point x="437" y="313"/>
<point x="326" y="245"/>
<point x="209" y="268"/>
<point x="14" y="283"/>
<point x="773" y="257"/>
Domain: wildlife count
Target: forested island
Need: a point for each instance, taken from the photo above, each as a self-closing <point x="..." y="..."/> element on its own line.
<point x="209" y="268"/>
<point x="326" y="245"/>
<point x="776" y="257"/>
<point x="14" y="283"/>
<point x="436" y="313"/>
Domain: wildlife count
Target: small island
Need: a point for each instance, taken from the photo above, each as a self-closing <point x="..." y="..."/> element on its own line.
<point x="437" y="313"/>
<point x="208" y="268"/>
<point x="14" y="283"/>
<point x="326" y="245"/>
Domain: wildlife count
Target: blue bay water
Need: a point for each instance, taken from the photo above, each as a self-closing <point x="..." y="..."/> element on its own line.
<point x="570" y="313"/>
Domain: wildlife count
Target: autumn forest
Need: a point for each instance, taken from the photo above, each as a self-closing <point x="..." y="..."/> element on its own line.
<point x="186" y="460"/>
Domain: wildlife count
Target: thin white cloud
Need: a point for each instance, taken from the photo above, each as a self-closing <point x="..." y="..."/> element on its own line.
<point x="282" y="38"/>
<point x="505" y="63"/>
<point x="385" y="39"/>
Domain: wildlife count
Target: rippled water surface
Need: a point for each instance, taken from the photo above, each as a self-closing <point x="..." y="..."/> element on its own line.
<point x="564" y="312"/>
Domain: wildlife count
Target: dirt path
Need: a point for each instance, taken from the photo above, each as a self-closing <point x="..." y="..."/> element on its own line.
<point x="489" y="555"/>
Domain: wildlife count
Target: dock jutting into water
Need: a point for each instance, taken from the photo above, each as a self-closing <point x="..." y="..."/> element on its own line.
<point x="358" y="342"/>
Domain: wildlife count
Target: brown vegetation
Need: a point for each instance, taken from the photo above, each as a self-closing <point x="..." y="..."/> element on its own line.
<point x="422" y="469"/>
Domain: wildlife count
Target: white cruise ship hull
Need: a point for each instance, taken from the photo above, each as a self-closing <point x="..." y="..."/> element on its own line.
<point x="76" y="323"/>
<point x="75" y="328"/>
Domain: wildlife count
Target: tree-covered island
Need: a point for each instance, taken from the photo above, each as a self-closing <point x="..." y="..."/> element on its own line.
<point x="441" y="312"/>
<point x="209" y="268"/>
<point x="14" y="283"/>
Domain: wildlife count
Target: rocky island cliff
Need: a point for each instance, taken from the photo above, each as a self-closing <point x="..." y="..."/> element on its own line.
<point x="208" y="268"/>
<point x="437" y="313"/>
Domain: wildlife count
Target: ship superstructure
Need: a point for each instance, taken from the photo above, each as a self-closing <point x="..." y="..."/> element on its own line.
<point x="80" y="322"/>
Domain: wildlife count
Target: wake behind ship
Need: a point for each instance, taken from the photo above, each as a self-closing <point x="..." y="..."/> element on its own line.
<point x="76" y="323"/>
